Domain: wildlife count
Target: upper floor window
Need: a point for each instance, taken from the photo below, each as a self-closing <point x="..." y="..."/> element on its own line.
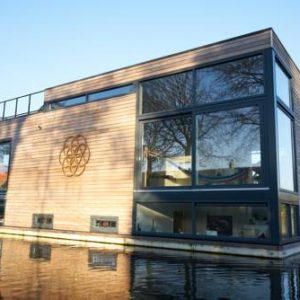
<point x="228" y="150"/>
<point x="167" y="93"/>
<point x="232" y="80"/>
<point x="285" y="151"/>
<point x="167" y="150"/>
<point x="105" y="94"/>
<point x="227" y="81"/>
<point x="4" y="163"/>
<point x="282" y="85"/>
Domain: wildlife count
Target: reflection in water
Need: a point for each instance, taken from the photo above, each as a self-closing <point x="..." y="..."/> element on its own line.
<point x="38" y="251"/>
<point x="81" y="273"/>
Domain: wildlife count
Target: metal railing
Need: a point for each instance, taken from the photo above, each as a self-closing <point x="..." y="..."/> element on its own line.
<point x="21" y="106"/>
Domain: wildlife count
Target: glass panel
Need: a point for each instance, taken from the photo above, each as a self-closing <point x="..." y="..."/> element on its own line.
<point x="23" y="104"/>
<point x="1" y="110"/>
<point x="282" y="85"/>
<point x="10" y="109"/>
<point x="4" y="163"/>
<point x="167" y="148"/>
<point x="36" y="101"/>
<point x="284" y="221"/>
<point x="286" y="164"/>
<point x="294" y="220"/>
<point x="164" y="217"/>
<point x="237" y="79"/>
<point x="228" y="147"/>
<point x="234" y="221"/>
<point x="68" y="102"/>
<point x="111" y="93"/>
<point x="167" y="93"/>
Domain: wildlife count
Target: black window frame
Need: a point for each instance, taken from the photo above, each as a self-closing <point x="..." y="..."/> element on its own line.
<point x="193" y="114"/>
<point x="193" y="234"/>
<point x="86" y="96"/>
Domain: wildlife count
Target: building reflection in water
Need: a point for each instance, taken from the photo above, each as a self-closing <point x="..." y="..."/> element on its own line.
<point x="52" y="271"/>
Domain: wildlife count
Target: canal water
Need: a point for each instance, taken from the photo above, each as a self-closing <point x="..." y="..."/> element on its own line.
<point x="43" y="270"/>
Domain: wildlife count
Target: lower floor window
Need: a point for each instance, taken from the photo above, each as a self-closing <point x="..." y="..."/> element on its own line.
<point x="164" y="218"/>
<point x="233" y="221"/>
<point x="289" y="218"/>
<point x="245" y="221"/>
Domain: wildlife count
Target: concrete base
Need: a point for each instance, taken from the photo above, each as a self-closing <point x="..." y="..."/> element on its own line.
<point x="96" y="239"/>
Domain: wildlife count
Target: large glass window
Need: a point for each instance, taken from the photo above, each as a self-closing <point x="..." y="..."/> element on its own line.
<point x="285" y="151"/>
<point x="164" y="218"/>
<point x="167" y="147"/>
<point x="228" y="147"/>
<point x="282" y="85"/>
<point x="237" y="79"/>
<point x="233" y="221"/>
<point x="167" y="93"/>
<point x="4" y="163"/>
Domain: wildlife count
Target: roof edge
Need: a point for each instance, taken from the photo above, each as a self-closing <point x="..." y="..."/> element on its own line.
<point x="168" y="56"/>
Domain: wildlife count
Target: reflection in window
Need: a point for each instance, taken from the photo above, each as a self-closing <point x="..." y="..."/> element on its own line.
<point x="237" y="79"/>
<point x="234" y="221"/>
<point x="68" y="102"/>
<point x="167" y="93"/>
<point x="282" y="85"/>
<point x="164" y="218"/>
<point x="111" y="93"/>
<point x="284" y="220"/>
<point x="285" y="151"/>
<point x="228" y="147"/>
<point x="294" y="220"/>
<point x="167" y="152"/>
<point x="4" y="163"/>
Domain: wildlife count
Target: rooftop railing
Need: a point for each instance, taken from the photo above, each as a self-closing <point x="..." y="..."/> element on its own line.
<point x="21" y="106"/>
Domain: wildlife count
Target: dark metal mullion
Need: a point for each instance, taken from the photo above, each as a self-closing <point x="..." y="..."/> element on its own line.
<point x="29" y="104"/>
<point x="271" y="135"/>
<point x="194" y="132"/>
<point x="16" y="108"/>
<point x="4" y="107"/>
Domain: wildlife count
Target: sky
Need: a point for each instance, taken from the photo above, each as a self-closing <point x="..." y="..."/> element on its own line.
<point x="46" y="43"/>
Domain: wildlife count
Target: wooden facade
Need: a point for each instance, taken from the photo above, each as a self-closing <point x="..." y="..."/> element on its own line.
<point x="37" y="184"/>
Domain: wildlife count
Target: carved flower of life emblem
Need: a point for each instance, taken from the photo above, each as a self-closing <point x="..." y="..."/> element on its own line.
<point x="74" y="156"/>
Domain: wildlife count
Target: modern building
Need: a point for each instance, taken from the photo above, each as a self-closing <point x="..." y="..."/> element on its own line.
<point x="198" y="147"/>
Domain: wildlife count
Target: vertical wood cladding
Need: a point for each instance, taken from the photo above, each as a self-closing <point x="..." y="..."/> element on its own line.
<point x="37" y="183"/>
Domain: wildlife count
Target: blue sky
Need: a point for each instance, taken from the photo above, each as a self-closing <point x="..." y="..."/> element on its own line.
<point x="45" y="43"/>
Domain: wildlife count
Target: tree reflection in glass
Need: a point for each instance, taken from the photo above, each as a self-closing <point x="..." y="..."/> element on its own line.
<point x="228" y="147"/>
<point x="167" y="152"/>
<point x="237" y="79"/>
<point x="167" y="93"/>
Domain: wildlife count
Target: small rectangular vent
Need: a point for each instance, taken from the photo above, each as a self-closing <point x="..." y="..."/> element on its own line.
<point x="42" y="221"/>
<point x="104" y="224"/>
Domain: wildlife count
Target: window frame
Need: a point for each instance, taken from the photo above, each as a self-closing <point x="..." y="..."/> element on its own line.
<point x="193" y="234"/>
<point x="279" y="63"/>
<point x="258" y="100"/>
<point x="293" y="146"/>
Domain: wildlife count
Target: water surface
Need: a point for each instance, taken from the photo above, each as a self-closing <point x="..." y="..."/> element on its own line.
<point x="44" y="270"/>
